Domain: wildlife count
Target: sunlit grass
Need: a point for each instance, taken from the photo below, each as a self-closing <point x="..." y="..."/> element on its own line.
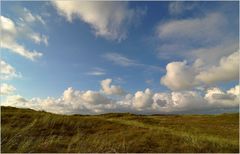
<point x="30" y="131"/>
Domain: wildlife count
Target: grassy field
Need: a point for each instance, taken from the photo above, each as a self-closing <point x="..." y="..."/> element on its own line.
<point x="25" y="130"/>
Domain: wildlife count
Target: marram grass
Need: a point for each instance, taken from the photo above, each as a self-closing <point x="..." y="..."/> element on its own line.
<point x="25" y="130"/>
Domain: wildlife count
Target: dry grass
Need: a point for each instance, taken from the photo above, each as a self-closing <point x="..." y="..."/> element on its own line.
<point x="25" y="130"/>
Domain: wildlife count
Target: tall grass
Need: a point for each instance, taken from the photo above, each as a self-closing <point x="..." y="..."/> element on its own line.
<point x="25" y="130"/>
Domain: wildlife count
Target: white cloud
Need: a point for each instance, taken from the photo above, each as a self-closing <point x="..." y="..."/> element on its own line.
<point x="8" y="26"/>
<point x="8" y="40"/>
<point x="208" y="41"/>
<point x="179" y="101"/>
<point x="72" y="101"/>
<point x="92" y="97"/>
<point x="6" y="89"/>
<point x="107" y="19"/>
<point x="7" y="71"/>
<point x="180" y="75"/>
<point x="142" y="100"/>
<point x="109" y="89"/>
<point x="145" y="102"/>
<point x="19" y="49"/>
<point x="17" y="101"/>
<point x="89" y="97"/>
<point x="234" y="91"/>
<point x="226" y="70"/>
<point x="219" y="98"/>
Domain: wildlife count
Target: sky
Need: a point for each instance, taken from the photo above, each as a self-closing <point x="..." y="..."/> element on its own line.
<point x="76" y="57"/>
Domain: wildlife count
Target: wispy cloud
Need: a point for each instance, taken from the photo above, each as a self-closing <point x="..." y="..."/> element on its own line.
<point x="179" y="7"/>
<point x="121" y="60"/>
<point x="27" y="16"/>
<point x="7" y="71"/>
<point x="97" y="72"/>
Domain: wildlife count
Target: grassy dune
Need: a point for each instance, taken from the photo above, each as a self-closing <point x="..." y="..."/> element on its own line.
<point x="25" y="130"/>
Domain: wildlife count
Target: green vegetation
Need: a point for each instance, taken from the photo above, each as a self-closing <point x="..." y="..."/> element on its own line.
<point x="25" y="130"/>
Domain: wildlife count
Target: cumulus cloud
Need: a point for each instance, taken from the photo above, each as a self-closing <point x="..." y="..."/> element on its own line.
<point x="179" y="101"/>
<point x="72" y="101"/>
<point x="217" y="97"/>
<point x="8" y="41"/>
<point x="7" y="71"/>
<point x="235" y="90"/>
<point x="90" y="97"/>
<point x="181" y="75"/>
<point x="109" y="89"/>
<point x="226" y="70"/>
<point x="18" y="101"/>
<point x="7" y="89"/>
<point x="144" y="102"/>
<point x="107" y="19"/>
<point x="207" y="40"/>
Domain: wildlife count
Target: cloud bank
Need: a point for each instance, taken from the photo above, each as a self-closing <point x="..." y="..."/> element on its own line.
<point x="143" y="102"/>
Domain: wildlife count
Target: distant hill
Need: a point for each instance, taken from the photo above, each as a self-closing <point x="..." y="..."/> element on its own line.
<point x="26" y="130"/>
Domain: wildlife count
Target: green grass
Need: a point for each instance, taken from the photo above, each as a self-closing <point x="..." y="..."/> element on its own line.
<point x="25" y="130"/>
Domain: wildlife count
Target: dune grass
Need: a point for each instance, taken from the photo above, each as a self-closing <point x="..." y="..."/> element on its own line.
<point x="25" y="130"/>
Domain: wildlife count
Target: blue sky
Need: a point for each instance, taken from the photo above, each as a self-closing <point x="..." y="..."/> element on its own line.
<point x="131" y="43"/>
